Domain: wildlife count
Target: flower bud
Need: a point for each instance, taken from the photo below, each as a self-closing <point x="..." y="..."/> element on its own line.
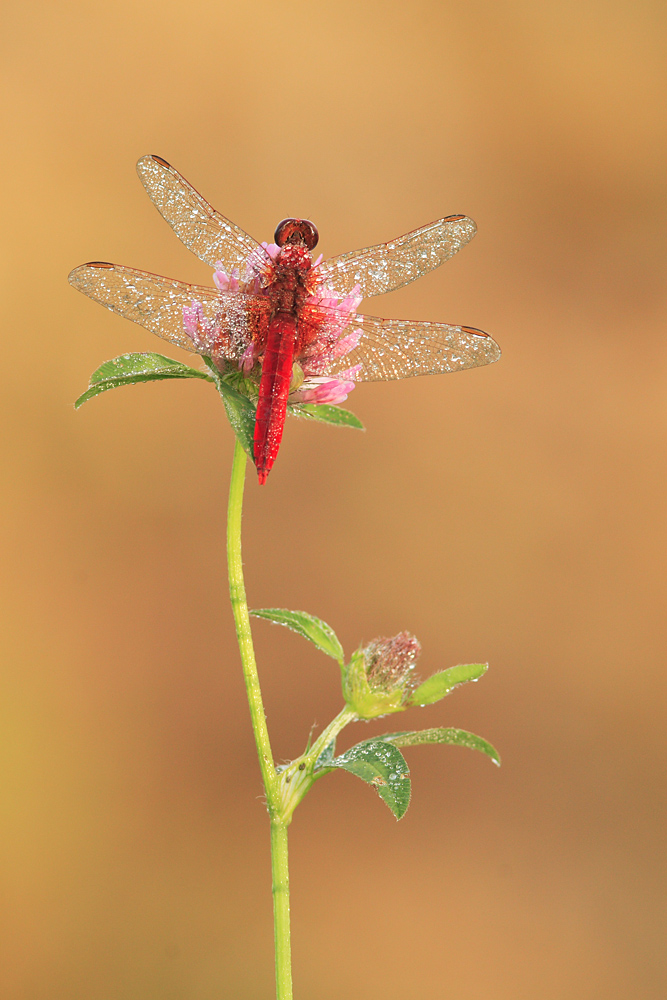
<point x="379" y="677"/>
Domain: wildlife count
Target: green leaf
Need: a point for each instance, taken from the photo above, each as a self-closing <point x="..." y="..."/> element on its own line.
<point x="240" y="411"/>
<point x="383" y="767"/>
<point x="455" y="737"/>
<point x="436" y="687"/>
<point x="327" y="414"/>
<point x="130" y="368"/>
<point x="314" y="629"/>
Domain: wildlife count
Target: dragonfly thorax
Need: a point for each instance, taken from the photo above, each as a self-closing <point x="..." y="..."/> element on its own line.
<point x="292" y="281"/>
<point x="294" y="258"/>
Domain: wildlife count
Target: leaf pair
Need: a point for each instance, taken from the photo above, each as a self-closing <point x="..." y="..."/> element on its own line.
<point x="379" y="762"/>
<point x="131" y="368"/>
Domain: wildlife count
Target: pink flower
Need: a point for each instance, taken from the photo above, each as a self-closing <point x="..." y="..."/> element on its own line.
<point x="390" y="662"/>
<point x="226" y="282"/>
<point x="247" y="359"/>
<point x="321" y="390"/>
<point x="208" y="338"/>
<point x="345" y="344"/>
<point x="272" y="249"/>
<point x="197" y="326"/>
<point x="350" y="373"/>
<point x="344" y="307"/>
<point x="256" y="268"/>
<point x="327" y="348"/>
<point x="330" y="343"/>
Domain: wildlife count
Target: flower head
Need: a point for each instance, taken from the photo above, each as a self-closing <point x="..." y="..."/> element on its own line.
<point x="203" y="333"/>
<point x="225" y="282"/>
<point x="380" y="676"/>
<point x="329" y="319"/>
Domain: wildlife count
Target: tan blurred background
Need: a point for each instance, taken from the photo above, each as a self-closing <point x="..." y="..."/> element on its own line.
<point x="514" y="514"/>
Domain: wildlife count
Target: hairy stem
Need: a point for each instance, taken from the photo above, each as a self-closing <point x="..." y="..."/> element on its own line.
<point x="242" y="621"/>
<point x="281" y="912"/>
<point x="279" y="869"/>
<point x="344" y="717"/>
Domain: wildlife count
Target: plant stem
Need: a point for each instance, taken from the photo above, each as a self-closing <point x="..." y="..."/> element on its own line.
<point x="242" y="621"/>
<point x="279" y="869"/>
<point x="281" y="913"/>
<point x="344" y="717"/>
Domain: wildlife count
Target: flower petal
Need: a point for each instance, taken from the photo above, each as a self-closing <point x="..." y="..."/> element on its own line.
<point x="332" y="391"/>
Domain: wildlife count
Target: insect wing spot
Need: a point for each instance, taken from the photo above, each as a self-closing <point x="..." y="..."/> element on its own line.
<point x="475" y="332"/>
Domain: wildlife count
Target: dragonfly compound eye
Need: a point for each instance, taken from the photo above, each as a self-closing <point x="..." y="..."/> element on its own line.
<point x="296" y="231"/>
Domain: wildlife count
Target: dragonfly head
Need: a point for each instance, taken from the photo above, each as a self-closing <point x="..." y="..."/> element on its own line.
<point x="296" y="231"/>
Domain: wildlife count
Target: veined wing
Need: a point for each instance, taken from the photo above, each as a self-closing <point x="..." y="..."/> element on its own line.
<point x="389" y="265"/>
<point x="204" y="231"/>
<point x="399" y="348"/>
<point x="157" y="303"/>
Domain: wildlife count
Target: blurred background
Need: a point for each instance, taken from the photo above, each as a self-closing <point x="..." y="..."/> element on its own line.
<point x="513" y="514"/>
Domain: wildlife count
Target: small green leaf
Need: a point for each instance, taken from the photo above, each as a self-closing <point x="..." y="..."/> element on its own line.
<point x="327" y="414"/>
<point x="240" y="411"/>
<point x="130" y="368"/>
<point x="438" y="685"/>
<point x="314" y="629"/>
<point x="383" y="767"/>
<point x="455" y="737"/>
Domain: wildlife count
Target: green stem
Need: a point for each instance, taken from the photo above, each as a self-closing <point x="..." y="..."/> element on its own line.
<point x="279" y="869"/>
<point x="281" y="913"/>
<point x="344" y="717"/>
<point x="242" y="621"/>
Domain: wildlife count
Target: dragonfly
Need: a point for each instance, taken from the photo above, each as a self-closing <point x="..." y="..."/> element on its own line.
<point x="285" y="322"/>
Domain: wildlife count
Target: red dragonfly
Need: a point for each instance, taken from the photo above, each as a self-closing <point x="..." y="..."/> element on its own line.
<point x="288" y="323"/>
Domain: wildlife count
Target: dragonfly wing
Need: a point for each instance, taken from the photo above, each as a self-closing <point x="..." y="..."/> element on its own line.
<point x="204" y="231"/>
<point x="389" y="265"/>
<point x="157" y="303"/>
<point x="399" y="348"/>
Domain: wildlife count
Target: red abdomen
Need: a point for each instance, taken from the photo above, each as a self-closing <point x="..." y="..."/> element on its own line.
<point x="273" y="391"/>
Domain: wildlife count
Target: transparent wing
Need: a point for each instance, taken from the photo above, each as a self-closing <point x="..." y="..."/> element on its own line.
<point x="157" y="303"/>
<point x="204" y="231"/>
<point x="399" y="348"/>
<point x="389" y="265"/>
